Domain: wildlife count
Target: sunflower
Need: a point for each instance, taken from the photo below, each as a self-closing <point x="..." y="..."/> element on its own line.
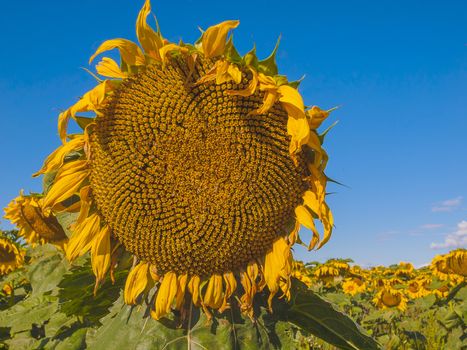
<point x="200" y="162"/>
<point x="456" y="262"/>
<point x="418" y="288"/>
<point x="404" y="270"/>
<point x="300" y="272"/>
<point x="353" y="286"/>
<point x="11" y="256"/>
<point x="34" y="225"/>
<point x="388" y="297"/>
<point x="326" y="273"/>
<point x="450" y="267"/>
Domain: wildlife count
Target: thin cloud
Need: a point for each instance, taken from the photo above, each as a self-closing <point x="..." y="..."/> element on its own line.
<point x="447" y="205"/>
<point x="457" y="239"/>
<point x="431" y="226"/>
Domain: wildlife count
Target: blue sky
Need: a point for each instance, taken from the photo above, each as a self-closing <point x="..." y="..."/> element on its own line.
<point x="398" y="69"/>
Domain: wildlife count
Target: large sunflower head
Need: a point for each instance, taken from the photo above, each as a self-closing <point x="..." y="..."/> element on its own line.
<point x="451" y="266"/>
<point x="11" y="255"/>
<point x="456" y="262"/>
<point x="27" y="213"/>
<point x="200" y="162"/>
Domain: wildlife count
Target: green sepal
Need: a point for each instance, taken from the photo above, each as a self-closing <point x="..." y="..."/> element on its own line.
<point x="325" y="132"/>
<point x="231" y="53"/>
<point x="83" y="122"/>
<point x="250" y="59"/>
<point x="281" y="80"/>
<point x="268" y="66"/>
<point x="296" y="83"/>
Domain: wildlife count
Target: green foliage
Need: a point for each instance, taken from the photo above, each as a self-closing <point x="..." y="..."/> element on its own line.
<point x="53" y="306"/>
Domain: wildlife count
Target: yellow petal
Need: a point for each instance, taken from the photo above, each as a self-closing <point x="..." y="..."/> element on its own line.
<point x="56" y="158"/>
<point x="250" y="89"/>
<point x="214" y="291"/>
<point x="277" y="269"/>
<point x="166" y="49"/>
<point x="91" y="101"/>
<point x="305" y="218"/>
<point x="68" y="181"/>
<point x="230" y="287"/>
<point x="180" y="297"/>
<point x="269" y="99"/>
<point x="311" y="201"/>
<point x="193" y="288"/>
<point x="214" y="38"/>
<point x="130" y="52"/>
<point x="317" y="116"/>
<point x="300" y="131"/>
<point x="136" y="282"/>
<point x="328" y="223"/>
<point x="100" y="254"/>
<point x="235" y="73"/>
<point x="150" y="41"/>
<point x="82" y="237"/>
<point x="107" y="67"/>
<point x="165" y="295"/>
<point x="292" y="101"/>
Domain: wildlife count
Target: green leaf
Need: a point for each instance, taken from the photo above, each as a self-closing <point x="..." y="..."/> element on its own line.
<point x="76" y="293"/>
<point x="33" y="310"/>
<point x="46" y="268"/>
<point x="312" y="313"/>
<point x="66" y="220"/>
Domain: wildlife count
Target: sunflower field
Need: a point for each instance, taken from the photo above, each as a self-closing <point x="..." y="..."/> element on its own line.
<point x="169" y="220"/>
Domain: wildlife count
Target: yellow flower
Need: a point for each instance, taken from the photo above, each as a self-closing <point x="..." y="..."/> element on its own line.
<point x="11" y="256"/>
<point x="353" y="286"/>
<point x="198" y="162"/>
<point x="451" y="266"/>
<point x="27" y="213"/>
<point x="456" y="262"/>
<point x="416" y="288"/>
<point x="390" y="298"/>
<point x="7" y="289"/>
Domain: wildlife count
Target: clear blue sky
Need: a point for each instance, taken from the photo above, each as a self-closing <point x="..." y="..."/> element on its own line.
<point x="398" y="69"/>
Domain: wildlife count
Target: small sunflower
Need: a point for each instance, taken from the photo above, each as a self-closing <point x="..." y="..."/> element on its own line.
<point x="417" y="288"/>
<point x="300" y="272"/>
<point x="200" y="162"/>
<point x="388" y="297"/>
<point x="326" y="273"/>
<point x="353" y="286"/>
<point x="404" y="270"/>
<point x="11" y="256"/>
<point x="27" y="213"/>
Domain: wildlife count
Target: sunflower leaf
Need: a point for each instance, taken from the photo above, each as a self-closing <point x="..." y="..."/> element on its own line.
<point x="317" y="316"/>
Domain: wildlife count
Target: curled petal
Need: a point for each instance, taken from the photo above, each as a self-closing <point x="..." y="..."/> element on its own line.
<point x="70" y="178"/>
<point x="109" y="68"/>
<point x="56" y="158"/>
<point x="82" y="237"/>
<point x="130" y="52"/>
<point x="214" y="38"/>
<point x="150" y="41"/>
